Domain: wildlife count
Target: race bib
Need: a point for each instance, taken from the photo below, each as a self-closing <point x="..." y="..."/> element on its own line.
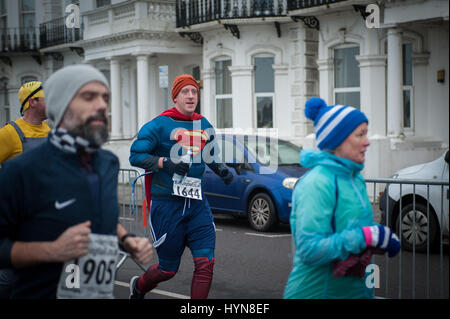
<point x="91" y="276"/>
<point x="189" y="187"/>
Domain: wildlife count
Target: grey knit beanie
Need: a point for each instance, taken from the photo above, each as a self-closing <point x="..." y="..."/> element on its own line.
<point x="62" y="86"/>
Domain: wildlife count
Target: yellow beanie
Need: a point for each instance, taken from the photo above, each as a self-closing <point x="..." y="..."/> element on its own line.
<point x="27" y="91"/>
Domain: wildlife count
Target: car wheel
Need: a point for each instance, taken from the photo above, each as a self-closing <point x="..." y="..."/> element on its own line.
<point x="261" y="212"/>
<point x="417" y="229"/>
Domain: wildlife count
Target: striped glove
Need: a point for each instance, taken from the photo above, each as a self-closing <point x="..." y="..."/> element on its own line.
<point x="382" y="237"/>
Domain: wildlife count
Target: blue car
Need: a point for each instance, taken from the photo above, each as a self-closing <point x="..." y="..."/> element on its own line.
<point x="265" y="171"/>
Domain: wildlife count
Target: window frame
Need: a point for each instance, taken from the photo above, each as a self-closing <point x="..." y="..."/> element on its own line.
<point x="408" y="130"/>
<point x="263" y="94"/>
<point x="28" y="78"/>
<point x="103" y="3"/>
<point x="23" y="12"/>
<point x="4" y="14"/>
<point x="353" y="89"/>
<point x="222" y="96"/>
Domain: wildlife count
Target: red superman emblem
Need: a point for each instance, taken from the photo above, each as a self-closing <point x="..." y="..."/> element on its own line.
<point x="193" y="140"/>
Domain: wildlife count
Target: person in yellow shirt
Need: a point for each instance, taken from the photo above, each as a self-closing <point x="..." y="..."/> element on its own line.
<point x="28" y="131"/>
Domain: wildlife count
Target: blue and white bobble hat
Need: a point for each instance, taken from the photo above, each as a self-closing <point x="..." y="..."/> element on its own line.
<point x="332" y="123"/>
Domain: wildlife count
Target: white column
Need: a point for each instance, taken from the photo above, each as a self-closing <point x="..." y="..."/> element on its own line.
<point x="155" y="108"/>
<point x="116" y="97"/>
<point x="142" y="90"/>
<point x="127" y="124"/>
<point x="395" y="82"/>
<point x="373" y="92"/>
<point x="281" y="103"/>
<point x="325" y="68"/>
<point x="133" y="100"/>
<point x="207" y="98"/>
<point x="241" y="77"/>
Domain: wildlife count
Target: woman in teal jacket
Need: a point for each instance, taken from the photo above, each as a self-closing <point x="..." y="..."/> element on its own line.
<point x="331" y="218"/>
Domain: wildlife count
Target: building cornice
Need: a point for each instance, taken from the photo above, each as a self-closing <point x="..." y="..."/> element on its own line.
<point x="131" y="36"/>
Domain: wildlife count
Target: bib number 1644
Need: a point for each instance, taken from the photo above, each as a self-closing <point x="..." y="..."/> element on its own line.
<point x="190" y="187"/>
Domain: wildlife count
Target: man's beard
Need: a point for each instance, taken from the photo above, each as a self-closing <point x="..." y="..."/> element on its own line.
<point x="96" y="135"/>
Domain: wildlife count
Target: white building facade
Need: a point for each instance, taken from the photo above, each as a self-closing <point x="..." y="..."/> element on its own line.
<point x="258" y="61"/>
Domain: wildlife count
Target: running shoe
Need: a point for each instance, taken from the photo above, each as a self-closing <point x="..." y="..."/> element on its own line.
<point x="134" y="291"/>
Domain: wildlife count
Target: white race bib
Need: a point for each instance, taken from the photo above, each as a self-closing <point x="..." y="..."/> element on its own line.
<point x="189" y="187"/>
<point x="91" y="276"/>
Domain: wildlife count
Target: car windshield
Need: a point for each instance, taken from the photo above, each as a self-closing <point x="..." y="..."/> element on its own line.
<point x="266" y="150"/>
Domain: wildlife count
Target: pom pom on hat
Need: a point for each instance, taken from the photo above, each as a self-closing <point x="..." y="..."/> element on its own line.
<point x="313" y="107"/>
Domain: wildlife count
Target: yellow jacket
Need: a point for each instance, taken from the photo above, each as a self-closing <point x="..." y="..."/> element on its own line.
<point x="10" y="143"/>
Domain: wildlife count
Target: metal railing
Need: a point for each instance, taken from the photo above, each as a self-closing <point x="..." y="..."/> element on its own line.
<point x="133" y="212"/>
<point x="417" y="210"/>
<point x="19" y="39"/>
<point x="55" y="32"/>
<point x="304" y="4"/>
<point x="190" y="12"/>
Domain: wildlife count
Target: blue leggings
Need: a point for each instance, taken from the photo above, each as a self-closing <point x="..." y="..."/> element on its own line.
<point x="177" y="222"/>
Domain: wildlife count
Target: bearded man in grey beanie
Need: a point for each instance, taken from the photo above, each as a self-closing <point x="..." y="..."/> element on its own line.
<point x="58" y="203"/>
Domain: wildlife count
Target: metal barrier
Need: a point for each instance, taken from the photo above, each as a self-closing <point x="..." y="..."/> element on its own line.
<point x="417" y="210"/>
<point x="133" y="208"/>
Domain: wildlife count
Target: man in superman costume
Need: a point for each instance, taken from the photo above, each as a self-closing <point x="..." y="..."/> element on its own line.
<point x="177" y="221"/>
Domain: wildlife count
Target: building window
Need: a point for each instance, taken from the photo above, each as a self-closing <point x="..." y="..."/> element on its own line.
<point x="264" y="91"/>
<point x="346" y="76"/>
<point x="224" y="106"/>
<point x="407" y="86"/>
<point x="28" y="78"/>
<point x="4" y="101"/>
<point x="3" y="15"/>
<point x="196" y="75"/>
<point x="27" y="24"/>
<point x="27" y="14"/>
<point x="102" y="3"/>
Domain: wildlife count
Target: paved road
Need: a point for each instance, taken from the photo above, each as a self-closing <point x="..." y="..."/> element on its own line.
<point x="248" y="265"/>
<point x="256" y="265"/>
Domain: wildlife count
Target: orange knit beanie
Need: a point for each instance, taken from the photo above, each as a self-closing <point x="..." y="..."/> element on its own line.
<point x="180" y="82"/>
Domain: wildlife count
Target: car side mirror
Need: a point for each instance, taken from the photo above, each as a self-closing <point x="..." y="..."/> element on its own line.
<point x="446" y="157"/>
<point x="236" y="166"/>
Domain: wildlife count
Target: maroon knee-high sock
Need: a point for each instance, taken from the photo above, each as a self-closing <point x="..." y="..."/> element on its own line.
<point x="201" y="280"/>
<point x="152" y="277"/>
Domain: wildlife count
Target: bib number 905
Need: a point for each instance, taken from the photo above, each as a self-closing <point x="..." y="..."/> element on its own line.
<point x="91" y="276"/>
<point x="100" y="271"/>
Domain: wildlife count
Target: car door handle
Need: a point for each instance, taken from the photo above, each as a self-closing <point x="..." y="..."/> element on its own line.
<point x="247" y="180"/>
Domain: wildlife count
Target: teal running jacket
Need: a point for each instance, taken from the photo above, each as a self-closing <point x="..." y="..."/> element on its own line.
<point x="333" y="187"/>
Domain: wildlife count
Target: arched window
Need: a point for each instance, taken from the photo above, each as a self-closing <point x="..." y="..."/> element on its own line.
<point x="264" y="90"/>
<point x="4" y="101"/>
<point x="28" y="23"/>
<point x="346" y="88"/>
<point x="224" y="105"/>
<point x="3" y="15"/>
<point x="102" y="3"/>
<point x="28" y="78"/>
<point x="407" y="86"/>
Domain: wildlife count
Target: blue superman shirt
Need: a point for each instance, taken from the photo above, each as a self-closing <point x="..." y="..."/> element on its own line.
<point x="172" y="134"/>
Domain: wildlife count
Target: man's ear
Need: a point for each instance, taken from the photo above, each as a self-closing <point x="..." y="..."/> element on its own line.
<point x="31" y="102"/>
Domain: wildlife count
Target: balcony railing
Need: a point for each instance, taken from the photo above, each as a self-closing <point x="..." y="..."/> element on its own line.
<point x="55" y="32"/>
<point x="18" y="40"/>
<point x="191" y="12"/>
<point x="304" y="4"/>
